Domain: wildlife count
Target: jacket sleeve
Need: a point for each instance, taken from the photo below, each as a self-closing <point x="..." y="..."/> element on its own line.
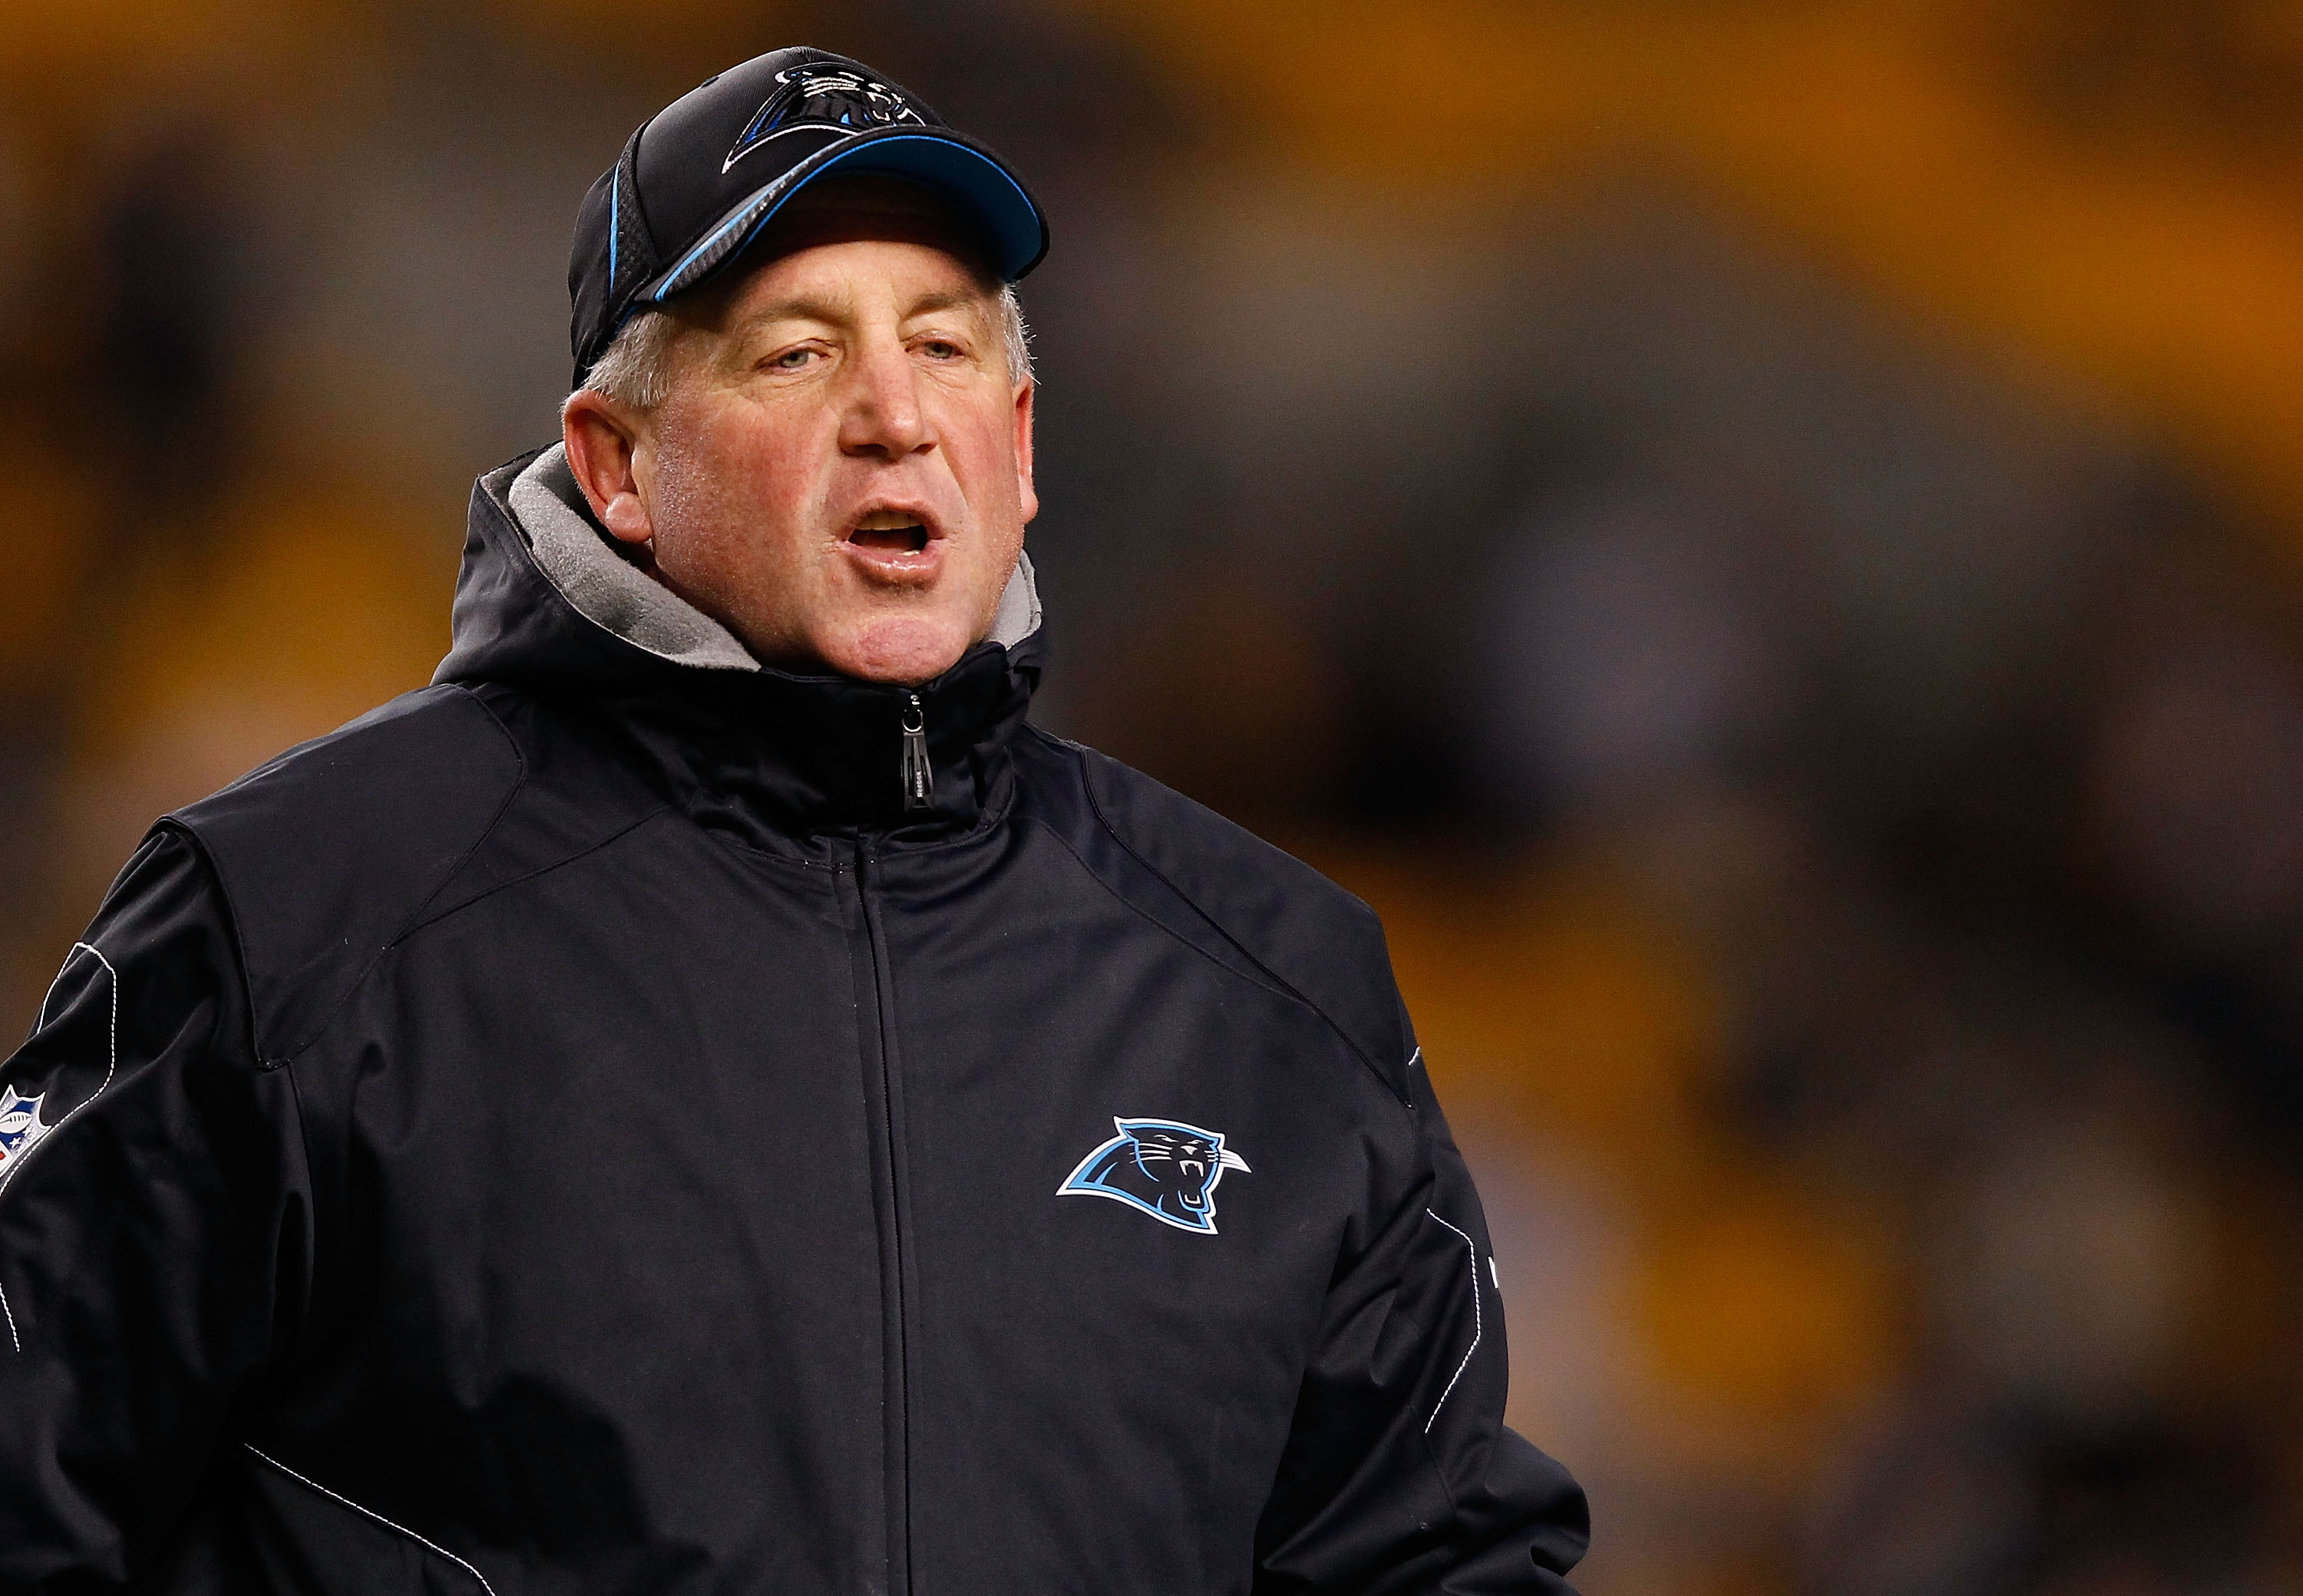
<point x="151" y="1231"/>
<point x="1399" y="1477"/>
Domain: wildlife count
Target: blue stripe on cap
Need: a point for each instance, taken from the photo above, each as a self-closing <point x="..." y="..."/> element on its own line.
<point x="751" y="211"/>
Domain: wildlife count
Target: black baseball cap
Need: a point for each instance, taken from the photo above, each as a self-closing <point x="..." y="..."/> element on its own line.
<point x="699" y="179"/>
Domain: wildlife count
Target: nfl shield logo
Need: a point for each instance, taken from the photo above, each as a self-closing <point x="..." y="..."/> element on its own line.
<point x="20" y="1127"/>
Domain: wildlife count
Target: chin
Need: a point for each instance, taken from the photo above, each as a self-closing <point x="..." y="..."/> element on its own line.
<point x="905" y="650"/>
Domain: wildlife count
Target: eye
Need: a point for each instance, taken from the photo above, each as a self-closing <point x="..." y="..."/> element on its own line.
<point x="790" y="360"/>
<point x="942" y="349"/>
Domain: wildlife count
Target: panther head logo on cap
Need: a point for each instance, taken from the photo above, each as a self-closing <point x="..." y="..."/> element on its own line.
<point x="1168" y="1169"/>
<point x="822" y="94"/>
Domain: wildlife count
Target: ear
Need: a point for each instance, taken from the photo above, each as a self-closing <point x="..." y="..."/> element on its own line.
<point x="605" y="443"/>
<point x="1026" y="492"/>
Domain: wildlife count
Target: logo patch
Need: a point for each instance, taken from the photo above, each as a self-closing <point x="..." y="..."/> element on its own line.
<point x="822" y="94"/>
<point x="20" y="1126"/>
<point x="1164" y="1166"/>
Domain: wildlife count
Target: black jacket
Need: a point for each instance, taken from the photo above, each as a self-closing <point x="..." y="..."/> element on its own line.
<point x="574" y="1129"/>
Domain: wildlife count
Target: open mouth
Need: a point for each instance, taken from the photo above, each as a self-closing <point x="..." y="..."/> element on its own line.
<point x="890" y="532"/>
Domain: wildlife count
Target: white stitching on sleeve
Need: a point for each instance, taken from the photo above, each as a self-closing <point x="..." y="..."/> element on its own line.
<point x="1478" y="1327"/>
<point x="111" y="1065"/>
<point x="111" y="1069"/>
<point x="368" y="1512"/>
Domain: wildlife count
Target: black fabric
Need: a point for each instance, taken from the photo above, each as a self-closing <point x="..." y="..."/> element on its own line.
<point x="573" y="1130"/>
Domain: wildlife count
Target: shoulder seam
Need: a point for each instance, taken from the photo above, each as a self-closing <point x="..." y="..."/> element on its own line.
<point x="1271" y="987"/>
<point x="292" y="1052"/>
<point x="421" y="922"/>
<point x="200" y="848"/>
<point x="519" y="780"/>
<point x="1087" y="786"/>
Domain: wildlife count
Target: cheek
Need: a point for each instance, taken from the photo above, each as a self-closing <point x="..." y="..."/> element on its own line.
<point x="734" y="475"/>
<point x="983" y="450"/>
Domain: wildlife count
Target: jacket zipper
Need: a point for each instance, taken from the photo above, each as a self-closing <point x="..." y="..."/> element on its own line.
<point x="887" y="1130"/>
<point x="919" y="779"/>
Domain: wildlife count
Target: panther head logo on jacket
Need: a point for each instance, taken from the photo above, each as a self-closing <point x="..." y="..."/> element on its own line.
<point x="1166" y="1168"/>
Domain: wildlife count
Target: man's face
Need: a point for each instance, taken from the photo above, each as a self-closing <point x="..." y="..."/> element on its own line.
<point x="841" y="471"/>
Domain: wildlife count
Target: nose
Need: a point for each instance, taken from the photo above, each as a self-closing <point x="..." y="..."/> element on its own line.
<point x="883" y="416"/>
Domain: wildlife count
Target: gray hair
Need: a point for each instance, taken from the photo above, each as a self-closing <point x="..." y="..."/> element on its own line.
<point x="637" y="370"/>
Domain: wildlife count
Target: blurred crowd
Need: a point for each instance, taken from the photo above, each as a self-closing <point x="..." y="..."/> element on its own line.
<point x="1819" y="712"/>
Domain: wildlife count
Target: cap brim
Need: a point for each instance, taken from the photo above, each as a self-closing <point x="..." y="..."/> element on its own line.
<point x="955" y="166"/>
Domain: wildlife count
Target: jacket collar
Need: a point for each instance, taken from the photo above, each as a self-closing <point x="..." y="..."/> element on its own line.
<point x="544" y="603"/>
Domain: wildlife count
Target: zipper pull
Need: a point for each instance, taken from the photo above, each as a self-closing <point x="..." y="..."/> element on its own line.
<point x="919" y="780"/>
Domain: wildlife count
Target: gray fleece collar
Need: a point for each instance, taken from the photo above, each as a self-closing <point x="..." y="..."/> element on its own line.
<point x="580" y="560"/>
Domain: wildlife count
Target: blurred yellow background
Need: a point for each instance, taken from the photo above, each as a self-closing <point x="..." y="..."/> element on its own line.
<point x="1763" y="537"/>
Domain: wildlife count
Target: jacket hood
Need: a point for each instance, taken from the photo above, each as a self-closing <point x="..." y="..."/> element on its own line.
<point x="546" y="602"/>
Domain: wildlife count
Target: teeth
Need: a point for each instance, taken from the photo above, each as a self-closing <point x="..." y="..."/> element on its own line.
<point x="887" y="520"/>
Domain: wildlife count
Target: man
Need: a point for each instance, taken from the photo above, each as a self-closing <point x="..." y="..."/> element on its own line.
<point x="704" y="1097"/>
